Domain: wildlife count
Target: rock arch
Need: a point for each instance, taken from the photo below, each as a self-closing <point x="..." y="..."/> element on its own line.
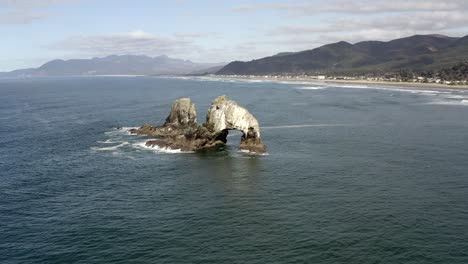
<point x="224" y="115"/>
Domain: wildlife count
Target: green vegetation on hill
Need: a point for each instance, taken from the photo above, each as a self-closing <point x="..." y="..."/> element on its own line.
<point x="416" y="53"/>
<point x="457" y="72"/>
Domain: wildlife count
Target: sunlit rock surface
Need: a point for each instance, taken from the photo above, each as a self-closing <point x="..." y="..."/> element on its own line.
<point x="225" y="114"/>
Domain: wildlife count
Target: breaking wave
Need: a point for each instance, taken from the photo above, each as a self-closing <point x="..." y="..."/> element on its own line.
<point x="244" y="151"/>
<point x="142" y="145"/>
<point x="306" y="125"/>
<point x="450" y="102"/>
<point x="110" y="148"/>
<point x="312" y="88"/>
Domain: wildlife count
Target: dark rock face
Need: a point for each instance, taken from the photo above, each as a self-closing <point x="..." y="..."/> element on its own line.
<point x="183" y="117"/>
<point x="180" y="131"/>
<point x="183" y="114"/>
<point x="252" y="143"/>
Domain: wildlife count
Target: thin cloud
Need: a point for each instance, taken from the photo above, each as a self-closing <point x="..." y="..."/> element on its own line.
<point x="135" y="42"/>
<point x="139" y="42"/>
<point x="415" y="23"/>
<point x="353" y="6"/>
<point x="26" y="11"/>
<point x="196" y="35"/>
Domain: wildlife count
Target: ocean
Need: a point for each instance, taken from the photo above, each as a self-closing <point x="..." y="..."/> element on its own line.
<point x="353" y="174"/>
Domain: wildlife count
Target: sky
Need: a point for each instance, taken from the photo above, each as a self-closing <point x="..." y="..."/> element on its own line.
<point x="36" y="31"/>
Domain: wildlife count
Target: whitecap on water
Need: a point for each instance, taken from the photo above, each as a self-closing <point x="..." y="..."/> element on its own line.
<point x="244" y="151"/>
<point x="450" y="102"/>
<point x="353" y="86"/>
<point x="120" y="130"/>
<point x="394" y="89"/>
<point x="110" y="148"/>
<point x="108" y="142"/>
<point x="311" y="88"/>
<point x="456" y="96"/>
<point x="142" y="145"/>
<point x="305" y="125"/>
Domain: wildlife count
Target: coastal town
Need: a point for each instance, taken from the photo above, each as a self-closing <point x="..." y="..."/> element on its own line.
<point x="456" y="75"/>
<point x="392" y="79"/>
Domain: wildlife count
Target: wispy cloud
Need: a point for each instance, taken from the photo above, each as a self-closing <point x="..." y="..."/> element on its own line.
<point x="433" y="21"/>
<point x="135" y="42"/>
<point x="360" y="20"/>
<point x="197" y="35"/>
<point x="180" y="45"/>
<point x="26" y="11"/>
<point x="354" y="6"/>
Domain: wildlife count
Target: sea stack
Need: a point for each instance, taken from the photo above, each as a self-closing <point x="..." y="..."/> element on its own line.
<point x="225" y="115"/>
<point x="180" y="131"/>
<point x="182" y="117"/>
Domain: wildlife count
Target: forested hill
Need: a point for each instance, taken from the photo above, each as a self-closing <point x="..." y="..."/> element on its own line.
<point x="419" y="52"/>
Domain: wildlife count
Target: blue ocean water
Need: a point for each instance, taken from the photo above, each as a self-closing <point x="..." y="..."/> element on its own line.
<point x="355" y="174"/>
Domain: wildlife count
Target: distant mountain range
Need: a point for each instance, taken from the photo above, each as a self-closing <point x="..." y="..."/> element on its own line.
<point x="117" y="65"/>
<point x="419" y="52"/>
<point x="415" y="53"/>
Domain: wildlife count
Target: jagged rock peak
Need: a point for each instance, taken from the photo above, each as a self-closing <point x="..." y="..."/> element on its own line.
<point x="183" y="114"/>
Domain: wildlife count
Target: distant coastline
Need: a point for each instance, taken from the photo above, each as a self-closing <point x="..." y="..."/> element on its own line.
<point x="365" y="82"/>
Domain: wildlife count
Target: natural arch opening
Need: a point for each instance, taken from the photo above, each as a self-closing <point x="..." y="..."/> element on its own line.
<point x="231" y="137"/>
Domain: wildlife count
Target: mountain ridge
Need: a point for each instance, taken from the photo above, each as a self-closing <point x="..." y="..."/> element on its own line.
<point x="418" y="52"/>
<point x="113" y="65"/>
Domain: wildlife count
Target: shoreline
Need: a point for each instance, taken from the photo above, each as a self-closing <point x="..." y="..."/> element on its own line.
<point x="362" y="82"/>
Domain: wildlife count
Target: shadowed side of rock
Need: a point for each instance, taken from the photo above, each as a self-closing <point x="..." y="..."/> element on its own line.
<point x="252" y="143"/>
<point x="193" y="140"/>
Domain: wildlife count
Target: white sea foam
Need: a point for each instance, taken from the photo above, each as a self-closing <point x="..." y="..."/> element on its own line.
<point x="462" y="102"/>
<point x="142" y="145"/>
<point x="121" y="130"/>
<point x="253" y="153"/>
<point x="353" y="86"/>
<point x="311" y="88"/>
<point x="293" y="82"/>
<point x="395" y="89"/>
<point x="108" y="142"/>
<point x="254" y="81"/>
<point x="127" y="128"/>
<point x="110" y="148"/>
<point x="456" y="96"/>
<point x="307" y="125"/>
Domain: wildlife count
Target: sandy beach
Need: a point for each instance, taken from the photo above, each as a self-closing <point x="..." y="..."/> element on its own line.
<point x="355" y="82"/>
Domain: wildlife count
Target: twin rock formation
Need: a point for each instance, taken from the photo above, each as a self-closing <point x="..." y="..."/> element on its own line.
<point x="181" y="131"/>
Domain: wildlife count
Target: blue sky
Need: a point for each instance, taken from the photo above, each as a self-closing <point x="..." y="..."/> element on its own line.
<point x="36" y="31"/>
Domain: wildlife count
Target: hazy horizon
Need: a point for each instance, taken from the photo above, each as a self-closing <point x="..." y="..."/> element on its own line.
<point x="35" y="32"/>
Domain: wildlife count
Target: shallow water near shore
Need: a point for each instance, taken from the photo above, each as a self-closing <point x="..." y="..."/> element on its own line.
<point x="354" y="174"/>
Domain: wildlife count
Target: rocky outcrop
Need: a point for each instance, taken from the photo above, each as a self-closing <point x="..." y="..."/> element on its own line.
<point x="180" y="131"/>
<point x="225" y="115"/>
<point x="182" y="117"/>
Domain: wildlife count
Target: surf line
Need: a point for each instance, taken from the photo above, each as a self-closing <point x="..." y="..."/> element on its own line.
<point x="309" y="125"/>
